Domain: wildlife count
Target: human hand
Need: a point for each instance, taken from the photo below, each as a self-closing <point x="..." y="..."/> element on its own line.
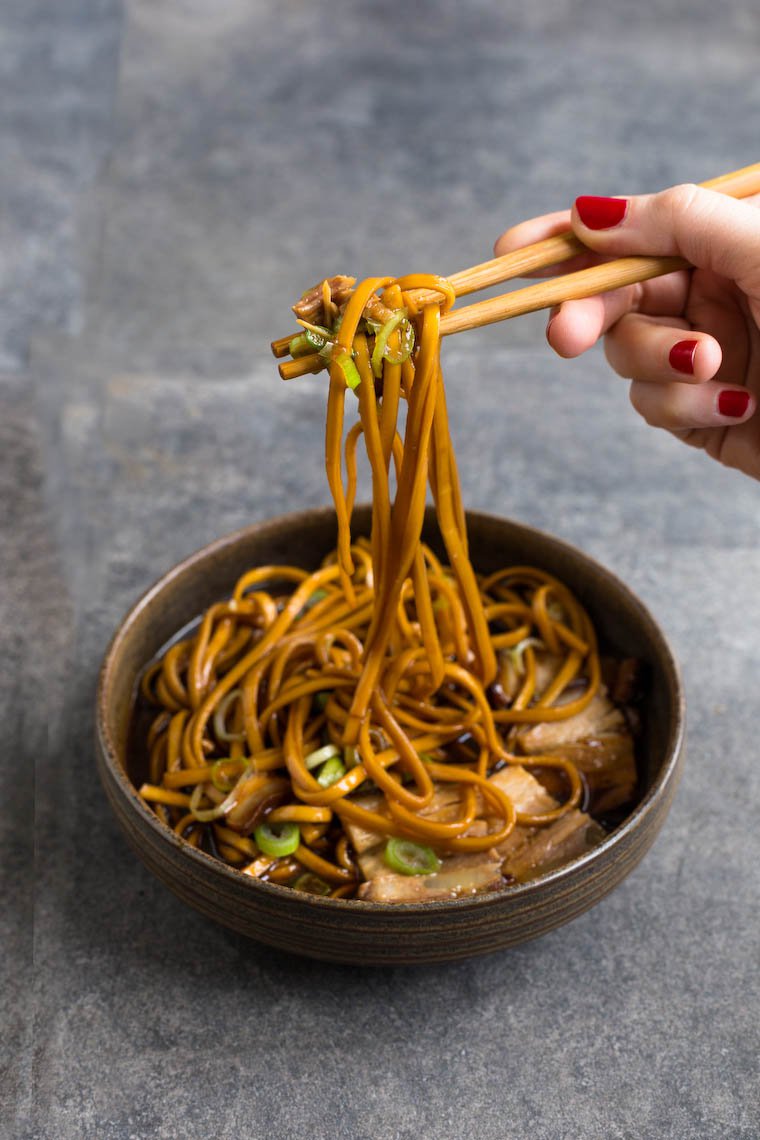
<point x="689" y="341"/>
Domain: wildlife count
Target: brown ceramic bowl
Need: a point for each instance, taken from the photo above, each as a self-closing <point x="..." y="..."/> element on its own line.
<point x="374" y="933"/>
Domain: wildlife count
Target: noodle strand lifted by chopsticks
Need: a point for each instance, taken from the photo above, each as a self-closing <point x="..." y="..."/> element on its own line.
<point x="376" y="671"/>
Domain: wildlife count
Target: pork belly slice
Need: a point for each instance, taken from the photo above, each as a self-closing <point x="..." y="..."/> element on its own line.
<point x="530" y="851"/>
<point x="526" y="853"/>
<point x="547" y="667"/>
<point x="460" y="875"/>
<point x="599" y="743"/>
<point x="608" y="765"/>
<point x="598" y="717"/>
<point x="310" y="307"/>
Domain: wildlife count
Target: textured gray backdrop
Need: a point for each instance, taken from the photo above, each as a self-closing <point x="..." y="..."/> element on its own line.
<point x="171" y="173"/>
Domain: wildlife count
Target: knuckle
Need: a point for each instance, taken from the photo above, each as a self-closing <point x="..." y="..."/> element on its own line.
<point x="685" y="212"/>
<point x="678" y="200"/>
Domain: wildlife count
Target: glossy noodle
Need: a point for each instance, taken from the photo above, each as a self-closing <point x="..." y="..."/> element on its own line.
<point x="373" y="728"/>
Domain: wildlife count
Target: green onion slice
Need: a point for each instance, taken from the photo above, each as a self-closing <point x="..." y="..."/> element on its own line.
<point x="409" y="858"/>
<point x="315" y="340"/>
<point x="311" y="884"/>
<point x="300" y="346"/>
<point x="320" y="700"/>
<point x="220" y="719"/>
<point x="314" y="759"/>
<point x="407" y="345"/>
<point x="206" y="815"/>
<point x="278" y="839"/>
<point x="221" y="778"/>
<point x="350" y="372"/>
<point x="381" y="340"/>
<point x="515" y="654"/>
<point x="330" y="772"/>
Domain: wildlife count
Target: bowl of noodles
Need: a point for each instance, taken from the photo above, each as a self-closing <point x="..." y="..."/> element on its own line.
<point x="587" y="850"/>
<point x="393" y="733"/>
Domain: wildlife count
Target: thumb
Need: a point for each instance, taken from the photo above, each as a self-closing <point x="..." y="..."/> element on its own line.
<point x="710" y="230"/>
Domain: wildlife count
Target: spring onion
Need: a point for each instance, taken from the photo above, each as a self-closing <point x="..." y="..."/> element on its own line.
<point x="515" y="654"/>
<point x="300" y="346"/>
<point x="278" y="839"/>
<point x="311" y="884"/>
<point x="350" y="372"/>
<point x="330" y="772"/>
<point x="320" y="700"/>
<point x="206" y="815"/>
<point x="407" y="345"/>
<point x="220" y="718"/>
<point x="315" y="340"/>
<point x="381" y="340"/>
<point x="409" y="858"/>
<point x="221" y="778"/>
<point x="314" y="759"/>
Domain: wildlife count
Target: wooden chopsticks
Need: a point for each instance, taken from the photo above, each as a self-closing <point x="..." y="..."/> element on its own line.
<point x="544" y="294"/>
<point x="584" y="283"/>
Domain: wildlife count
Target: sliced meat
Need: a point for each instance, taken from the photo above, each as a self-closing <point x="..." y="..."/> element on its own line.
<point x="310" y="308"/>
<point x="460" y="875"/>
<point x="600" y="716"/>
<point x="525" y="854"/>
<point x="531" y="851"/>
<point x="608" y="766"/>
<point x="445" y="805"/>
<point x="524" y="790"/>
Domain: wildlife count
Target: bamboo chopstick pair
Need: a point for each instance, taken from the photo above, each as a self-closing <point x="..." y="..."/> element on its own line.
<point x="544" y="294"/>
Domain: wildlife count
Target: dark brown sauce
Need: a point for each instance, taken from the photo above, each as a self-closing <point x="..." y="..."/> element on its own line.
<point x="621" y="677"/>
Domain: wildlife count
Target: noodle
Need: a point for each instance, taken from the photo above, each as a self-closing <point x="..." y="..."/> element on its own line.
<point x="316" y="714"/>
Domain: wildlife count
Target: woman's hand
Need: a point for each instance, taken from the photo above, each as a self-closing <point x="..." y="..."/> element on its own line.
<point x="690" y="341"/>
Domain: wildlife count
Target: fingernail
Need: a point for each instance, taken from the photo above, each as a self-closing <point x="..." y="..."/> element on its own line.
<point x="681" y="356"/>
<point x="601" y="213"/>
<point x="552" y="317"/>
<point x="733" y="402"/>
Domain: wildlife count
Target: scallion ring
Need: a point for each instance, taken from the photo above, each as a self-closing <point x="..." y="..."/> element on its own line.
<point x="330" y="772"/>
<point x="407" y="345"/>
<point x="311" y="884"/>
<point x="381" y="340"/>
<point x="300" y="346"/>
<point x="278" y="839"/>
<point x="349" y="370"/>
<point x="219" y="777"/>
<point x="314" y="759"/>
<point x="515" y="654"/>
<point x="220" y="719"/>
<point x="409" y="858"/>
<point x="206" y="815"/>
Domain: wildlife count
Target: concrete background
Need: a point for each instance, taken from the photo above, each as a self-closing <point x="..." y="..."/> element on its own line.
<point x="172" y="172"/>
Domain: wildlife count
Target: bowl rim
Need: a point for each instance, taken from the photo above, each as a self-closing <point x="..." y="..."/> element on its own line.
<point x="667" y="775"/>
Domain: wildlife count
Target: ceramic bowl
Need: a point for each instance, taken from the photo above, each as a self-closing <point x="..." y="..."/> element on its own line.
<point x="373" y="933"/>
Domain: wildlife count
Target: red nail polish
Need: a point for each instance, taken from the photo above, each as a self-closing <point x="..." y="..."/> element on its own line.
<point x="681" y="356"/>
<point x="732" y="402"/>
<point x="601" y="213"/>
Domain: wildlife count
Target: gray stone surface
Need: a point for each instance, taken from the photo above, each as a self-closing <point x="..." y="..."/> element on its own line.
<point x="165" y="211"/>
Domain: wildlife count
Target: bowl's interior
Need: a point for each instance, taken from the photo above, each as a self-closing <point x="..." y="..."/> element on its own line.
<point x="625" y="626"/>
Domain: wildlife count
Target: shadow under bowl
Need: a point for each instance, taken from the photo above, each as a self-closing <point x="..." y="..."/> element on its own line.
<point x="374" y="933"/>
